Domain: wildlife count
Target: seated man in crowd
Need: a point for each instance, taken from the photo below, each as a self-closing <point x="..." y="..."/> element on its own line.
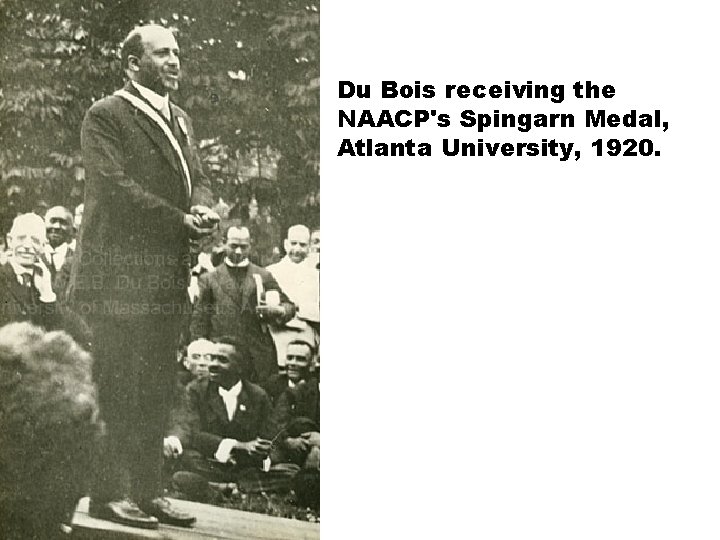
<point x="58" y="252"/>
<point x="301" y="282"/>
<point x="297" y="413"/>
<point x="298" y="368"/>
<point x="26" y="289"/>
<point x="297" y="409"/>
<point x="226" y="425"/>
<point x="296" y="275"/>
<point x="48" y="430"/>
<point x="199" y="356"/>
<point x="197" y="359"/>
<point x="233" y="301"/>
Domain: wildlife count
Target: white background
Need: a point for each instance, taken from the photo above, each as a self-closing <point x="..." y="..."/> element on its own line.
<point x="521" y="347"/>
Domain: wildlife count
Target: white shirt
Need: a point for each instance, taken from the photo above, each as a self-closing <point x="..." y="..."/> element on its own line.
<point x="230" y="398"/>
<point x="57" y="255"/>
<point x="301" y="283"/>
<point x="224" y="449"/>
<point x="161" y="103"/>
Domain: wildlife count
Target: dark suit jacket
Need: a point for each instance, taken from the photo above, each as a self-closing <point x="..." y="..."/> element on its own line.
<point x="226" y="308"/>
<point x="20" y="304"/>
<point x="276" y="385"/>
<point x="61" y="278"/>
<point x="298" y="409"/>
<point x="133" y="247"/>
<point x="204" y="421"/>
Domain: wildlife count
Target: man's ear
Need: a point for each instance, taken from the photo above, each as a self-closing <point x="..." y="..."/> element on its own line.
<point x="133" y="63"/>
<point x="286" y="245"/>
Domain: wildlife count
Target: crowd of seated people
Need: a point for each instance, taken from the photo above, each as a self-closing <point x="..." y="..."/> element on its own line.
<point x="248" y="376"/>
<point x="254" y="406"/>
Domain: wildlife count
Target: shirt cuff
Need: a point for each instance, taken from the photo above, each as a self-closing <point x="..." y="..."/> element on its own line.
<point x="49" y="299"/>
<point x="222" y="454"/>
<point x="174" y="441"/>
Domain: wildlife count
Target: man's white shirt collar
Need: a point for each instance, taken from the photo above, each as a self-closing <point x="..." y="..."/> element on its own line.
<point x="245" y="262"/>
<point x="20" y="270"/>
<point x="59" y="254"/>
<point x="161" y="103"/>
<point x="230" y="398"/>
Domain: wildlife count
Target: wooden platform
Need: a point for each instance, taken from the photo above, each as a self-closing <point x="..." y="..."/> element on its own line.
<point x="212" y="523"/>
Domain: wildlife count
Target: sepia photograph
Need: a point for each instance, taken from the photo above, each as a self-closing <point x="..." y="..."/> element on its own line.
<point x="160" y="269"/>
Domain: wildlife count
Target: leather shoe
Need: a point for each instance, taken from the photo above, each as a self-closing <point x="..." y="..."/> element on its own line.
<point x="123" y="512"/>
<point x="164" y="511"/>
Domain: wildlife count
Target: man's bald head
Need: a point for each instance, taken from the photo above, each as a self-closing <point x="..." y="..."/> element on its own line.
<point x="27" y="239"/>
<point x="198" y="356"/>
<point x="237" y="245"/>
<point x="150" y="56"/>
<point x="297" y="243"/>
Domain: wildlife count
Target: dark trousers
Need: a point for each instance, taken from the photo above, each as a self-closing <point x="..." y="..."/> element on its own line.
<point x="214" y="471"/>
<point x="134" y="372"/>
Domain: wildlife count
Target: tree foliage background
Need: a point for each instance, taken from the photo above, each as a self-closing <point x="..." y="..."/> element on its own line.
<point x="250" y="83"/>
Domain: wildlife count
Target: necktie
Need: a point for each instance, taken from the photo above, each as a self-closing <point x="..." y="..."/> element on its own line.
<point x="52" y="260"/>
<point x="27" y="285"/>
<point x="166" y="110"/>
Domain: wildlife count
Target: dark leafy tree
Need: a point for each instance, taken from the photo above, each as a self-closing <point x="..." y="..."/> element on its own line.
<point x="251" y="85"/>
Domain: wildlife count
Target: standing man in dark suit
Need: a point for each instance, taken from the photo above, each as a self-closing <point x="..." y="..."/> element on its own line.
<point x="58" y="252"/>
<point x="143" y="192"/>
<point x="229" y="304"/>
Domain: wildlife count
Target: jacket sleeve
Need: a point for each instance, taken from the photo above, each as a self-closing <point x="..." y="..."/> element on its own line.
<point x="268" y="428"/>
<point x="202" y="441"/>
<point x="102" y="148"/>
<point x="283" y="409"/>
<point x="48" y="315"/>
<point x="200" y="325"/>
<point x="181" y="416"/>
<point x="271" y="284"/>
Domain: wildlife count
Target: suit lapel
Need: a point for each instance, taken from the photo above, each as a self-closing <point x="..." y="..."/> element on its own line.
<point x="249" y="290"/>
<point x="243" y="401"/>
<point x="229" y="286"/>
<point x="217" y="405"/>
<point x="18" y="291"/>
<point x="49" y="263"/>
<point x="181" y="133"/>
<point x="69" y="256"/>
